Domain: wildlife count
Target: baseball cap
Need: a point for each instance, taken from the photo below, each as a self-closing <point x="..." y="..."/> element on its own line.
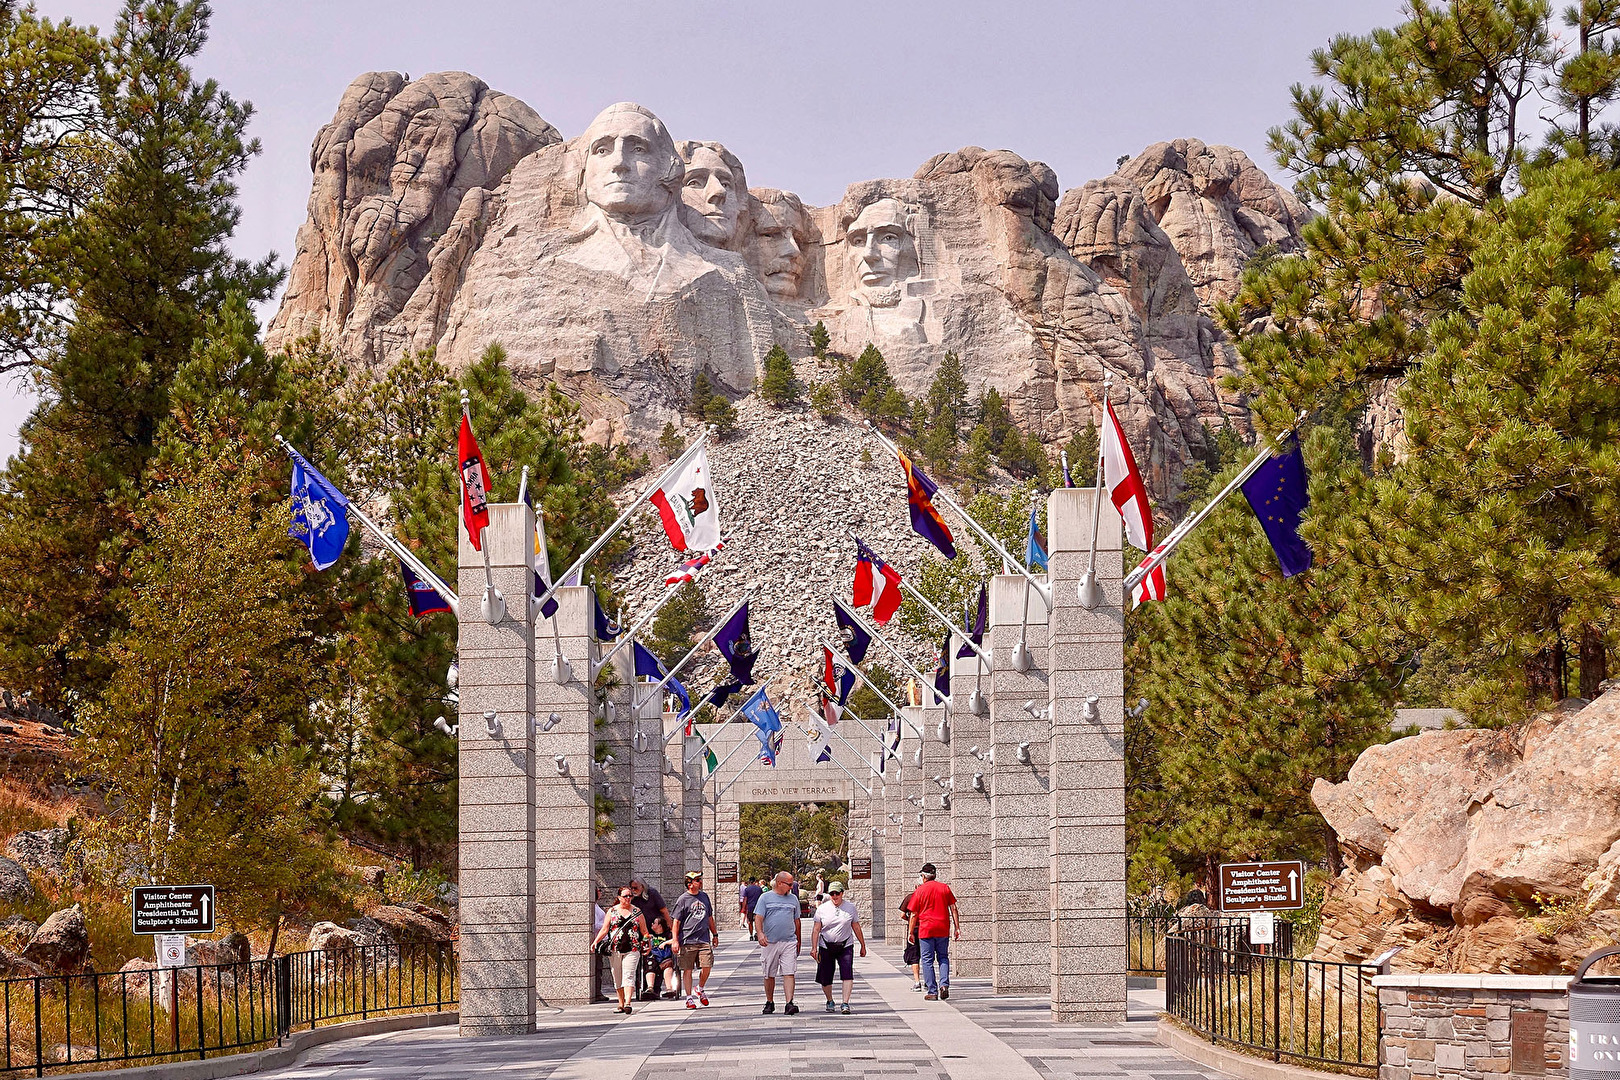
<point x="837" y="886"/>
<point x="693" y="875"/>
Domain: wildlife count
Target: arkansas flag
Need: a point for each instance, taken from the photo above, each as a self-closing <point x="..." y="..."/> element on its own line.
<point x="876" y="583"/>
<point x="1125" y="488"/>
<point x="474" y="484"/>
<point x="687" y="507"/>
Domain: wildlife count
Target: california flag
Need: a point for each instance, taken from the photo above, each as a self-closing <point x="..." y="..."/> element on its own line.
<point x="687" y="506"/>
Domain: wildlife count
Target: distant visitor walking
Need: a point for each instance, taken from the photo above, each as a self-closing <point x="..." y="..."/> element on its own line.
<point x="695" y="938"/>
<point x="776" y="928"/>
<point x="933" y="914"/>
<point x="833" y="934"/>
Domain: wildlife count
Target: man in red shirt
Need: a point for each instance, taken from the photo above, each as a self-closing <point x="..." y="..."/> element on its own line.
<point x="933" y="915"/>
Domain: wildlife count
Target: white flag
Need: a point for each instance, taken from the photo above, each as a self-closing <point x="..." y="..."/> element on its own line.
<point x="688" y="507"/>
<point x="1125" y="488"/>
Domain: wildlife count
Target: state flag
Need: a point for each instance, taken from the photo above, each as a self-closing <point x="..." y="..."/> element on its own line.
<point x="1152" y="586"/>
<point x="820" y="748"/>
<point x="838" y="677"/>
<point x="424" y="598"/>
<point x="649" y="666"/>
<point x="1124" y="482"/>
<point x="925" y="519"/>
<point x="541" y="570"/>
<point x="688" y="508"/>
<point x="737" y="647"/>
<point x="1035" y="545"/>
<point x="854" y="636"/>
<point x="1279" y="494"/>
<point x="976" y="622"/>
<point x="942" y="668"/>
<point x="759" y="711"/>
<point x="319" y="519"/>
<point x="688" y="570"/>
<point x="876" y="584"/>
<point x="474" y="483"/>
<point x="606" y="629"/>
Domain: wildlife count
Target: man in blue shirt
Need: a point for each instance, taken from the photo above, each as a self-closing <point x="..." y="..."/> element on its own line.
<point x="750" y="898"/>
<point x="776" y="928"/>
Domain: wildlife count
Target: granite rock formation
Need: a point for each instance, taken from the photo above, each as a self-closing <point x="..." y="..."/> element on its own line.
<point x="620" y="263"/>
<point x="1480" y="850"/>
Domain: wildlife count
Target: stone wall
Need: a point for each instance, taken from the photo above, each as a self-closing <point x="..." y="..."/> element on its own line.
<point x="1472" y="1027"/>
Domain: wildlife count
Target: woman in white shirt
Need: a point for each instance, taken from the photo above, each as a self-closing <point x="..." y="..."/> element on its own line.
<point x="834" y="933"/>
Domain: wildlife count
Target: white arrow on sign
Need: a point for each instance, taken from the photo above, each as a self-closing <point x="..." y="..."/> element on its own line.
<point x="205" y="908"/>
<point x="1293" y="887"/>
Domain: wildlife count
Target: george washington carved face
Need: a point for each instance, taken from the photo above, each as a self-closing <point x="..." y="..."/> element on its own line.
<point x="631" y="168"/>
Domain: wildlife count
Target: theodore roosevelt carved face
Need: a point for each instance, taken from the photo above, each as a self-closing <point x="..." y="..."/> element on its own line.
<point x="781" y="231"/>
<point x="881" y="250"/>
<point x="631" y="168"/>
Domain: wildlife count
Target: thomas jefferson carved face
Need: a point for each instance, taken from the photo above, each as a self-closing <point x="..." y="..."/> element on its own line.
<point x="711" y="195"/>
<point x="779" y="237"/>
<point x="631" y="167"/>
<point x="881" y="250"/>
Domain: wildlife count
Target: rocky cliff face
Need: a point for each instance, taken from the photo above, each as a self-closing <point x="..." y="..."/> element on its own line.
<point x="1478" y="850"/>
<point x="620" y="263"/>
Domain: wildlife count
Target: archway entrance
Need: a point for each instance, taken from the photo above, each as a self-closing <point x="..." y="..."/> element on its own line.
<point x="808" y="839"/>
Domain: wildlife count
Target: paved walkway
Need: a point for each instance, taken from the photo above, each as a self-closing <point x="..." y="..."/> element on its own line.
<point x="892" y="1033"/>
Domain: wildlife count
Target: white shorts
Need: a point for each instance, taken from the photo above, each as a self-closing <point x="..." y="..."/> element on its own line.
<point x="780" y="958"/>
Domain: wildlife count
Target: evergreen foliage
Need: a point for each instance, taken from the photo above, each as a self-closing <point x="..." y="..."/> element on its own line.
<point x="702" y="392"/>
<point x="825" y="401"/>
<point x="670" y="441"/>
<point x="678" y="623"/>
<point x="721" y="414"/>
<point x="1082" y="449"/>
<point x="819" y="340"/>
<point x="779" y="386"/>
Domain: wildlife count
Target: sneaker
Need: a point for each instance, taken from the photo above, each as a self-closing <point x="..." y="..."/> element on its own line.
<point x="916" y="988"/>
<point x="930" y="997"/>
<point x="831" y="1007"/>
<point x="770" y="1007"/>
<point x="944" y="992"/>
<point x="790" y="1009"/>
<point x="691" y="1002"/>
<point x="844" y="1008"/>
<point x="703" y="998"/>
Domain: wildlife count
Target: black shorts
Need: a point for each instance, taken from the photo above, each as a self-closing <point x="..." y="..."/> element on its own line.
<point x="841" y="953"/>
<point x="913" y="953"/>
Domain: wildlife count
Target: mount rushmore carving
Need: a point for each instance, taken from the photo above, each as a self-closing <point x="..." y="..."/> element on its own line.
<point x="620" y="263"/>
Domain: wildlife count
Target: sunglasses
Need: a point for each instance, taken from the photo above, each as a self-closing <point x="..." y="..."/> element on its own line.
<point x="624" y="896"/>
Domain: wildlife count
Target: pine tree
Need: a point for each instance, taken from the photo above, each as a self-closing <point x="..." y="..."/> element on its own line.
<point x="819" y="340"/>
<point x="779" y="386"/>
<point x="1082" y="454"/>
<point x="721" y="414"/>
<point x="702" y="392"/>
<point x="866" y="382"/>
<point x="678" y="623"/>
<point x="670" y="441"/>
<point x="825" y="400"/>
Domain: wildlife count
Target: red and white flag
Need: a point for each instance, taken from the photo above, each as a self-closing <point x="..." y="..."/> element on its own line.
<point x="1129" y="496"/>
<point x="689" y="569"/>
<point x="1152" y="586"/>
<point x="876" y="583"/>
<point x="474" y="484"/>
<point x="687" y="507"/>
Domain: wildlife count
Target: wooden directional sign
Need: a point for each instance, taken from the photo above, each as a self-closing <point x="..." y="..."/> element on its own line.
<point x="1262" y="886"/>
<point x="860" y="869"/>
<point x="725" y="871"/>
<point x="173" y="909"/>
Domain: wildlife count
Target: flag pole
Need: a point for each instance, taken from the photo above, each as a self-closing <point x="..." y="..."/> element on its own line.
<point x="834" y="729"/>
<point x="718" y="795"/>
<point x="602" y="541"/>
<point x="1041" y="588"/>
<point x="560" y="672"/>
<point x="1179" y="533"/>
<point x="932" y="610"/>
<point x="1090" y="594"/>
<point x="847" y="773"/>
<point x="629" y="635"/>
<point x="881" y="697"/>
<point x="400" y="551"/>
<point x="944" y="699"/>
<point x="722" y="762"/>
<point x="708" y="637"/>
<point x="727" y="722"/>
<point x="494" y="605"/>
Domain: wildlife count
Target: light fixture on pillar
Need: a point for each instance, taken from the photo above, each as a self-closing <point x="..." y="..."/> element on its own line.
<point x="1037" y="714"/>
<point x="607" y="759"/>
<point x="1141" y="707"/>
<point x="974" y="751"/>
<point x="560" y="671"/>
<point x="1090" y="591"/>
<point x="919" y="819"/>
<point x="562" y="765"/>
<point x="550" y="722"/>
<point x="1090" y="710"/>
<point x="493" y="723"/>
<point x="1023" y="753"/>
<point x="453" y="675"/>
<point x="1022" y="658"/>
<point x="978" y="781"/>
<point x="976" y="703"/>
<point x="448" y="729"/>
<point x="916" y="756"/>
<point x="943" y="730"/>
<point x="635" y="742"/>
<point x="945" y="801"/>
<point x="607" y="789"/>
<point x="612" y="712"/>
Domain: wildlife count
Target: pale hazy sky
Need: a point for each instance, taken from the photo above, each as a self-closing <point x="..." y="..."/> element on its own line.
<point x="811" y="96"/>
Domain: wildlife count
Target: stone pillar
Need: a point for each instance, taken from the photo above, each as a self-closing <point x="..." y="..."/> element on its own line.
<point x="676" y="806"/>
<point x="692" y="778"/>
<point x="497" y="816"/>
<point x="1087" y="847"/>
<point x="898" y="875"/>
<point x="646" y="794"/>
<point x="861" y="822"/>
<point x="1020" y="805"/>
<point x="970" y="819"/>
<point x="914" y="818"/>
<point x="565" y="816"/>
<point x="936" y="772"/>
<point x="614" y="726"/>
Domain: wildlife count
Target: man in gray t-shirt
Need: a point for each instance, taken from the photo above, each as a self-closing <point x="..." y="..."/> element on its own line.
<point x="694" y="935"/>
<point x="776" y="925"/>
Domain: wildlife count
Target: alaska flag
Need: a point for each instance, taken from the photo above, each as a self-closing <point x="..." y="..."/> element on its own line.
<point x="767" y="725"/>
<point x="1035" y="546"/>
<point x="925" y="519"/>
<point x="648" y="667"/>
<point x="424" y="598"/>
<point x="606" y="628"/>
<point x="736" y="646"/>
<point x="975" y="625"/>
<point x="856" y="639"/>
<point x="319" y="520"/>
<point x="1278" y="493"/>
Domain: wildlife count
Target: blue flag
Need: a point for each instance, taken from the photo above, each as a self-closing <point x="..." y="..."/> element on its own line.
<point x="1035" y="546"/>
<point x="767" y="725"/>
<point x="648" y="667"/>
<point x="737" y="647"/>
<point x="856" y="639"/>
<point x="606" y="628"/>
<point x="424" y="598"/>
<point x="1278" y="493"/>
<point x="942" y="668"/>
<point x="319" y="520"/>
<point x="975" y="624"/>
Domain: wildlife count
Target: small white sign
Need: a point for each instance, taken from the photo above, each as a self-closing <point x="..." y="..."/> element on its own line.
<point x="1262" y="928"/>
<point x="171" y="950"/>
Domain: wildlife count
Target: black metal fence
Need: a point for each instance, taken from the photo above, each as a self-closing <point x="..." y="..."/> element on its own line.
<point x="1145" y="950"/>
<point x="61" y="1023"/>
<point x="1262" y="999"/>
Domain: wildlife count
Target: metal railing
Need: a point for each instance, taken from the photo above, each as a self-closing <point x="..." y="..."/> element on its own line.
<point x="1261" y="999"/>
<point x="58" y="1023"/>
<point x="1146" y="934"/>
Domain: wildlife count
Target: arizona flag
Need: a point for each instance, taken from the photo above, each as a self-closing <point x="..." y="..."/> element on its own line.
<point x="925" y="519"/>
<point x="687" y="507"/>
<point x="876" y="583"/>
<point x="1125" y="488"/>
<point x="474" y="484"/>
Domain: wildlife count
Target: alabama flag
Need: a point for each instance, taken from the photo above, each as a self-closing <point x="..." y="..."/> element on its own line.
<point x="1129" y="496"/>
<point x="687" y="507"/>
